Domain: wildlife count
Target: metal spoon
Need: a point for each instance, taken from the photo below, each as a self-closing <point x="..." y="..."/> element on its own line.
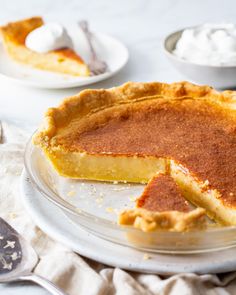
<point x="18" y="258"/>
<point x="96" y="65"/>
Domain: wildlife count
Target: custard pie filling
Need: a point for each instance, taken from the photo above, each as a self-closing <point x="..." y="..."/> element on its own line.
<point x="132" y="132"/>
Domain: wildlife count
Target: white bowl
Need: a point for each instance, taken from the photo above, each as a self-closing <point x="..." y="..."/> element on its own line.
<point x="216" y="76"/>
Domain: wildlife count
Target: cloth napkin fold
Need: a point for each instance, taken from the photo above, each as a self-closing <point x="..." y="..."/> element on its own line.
<point x="73" y="273"/>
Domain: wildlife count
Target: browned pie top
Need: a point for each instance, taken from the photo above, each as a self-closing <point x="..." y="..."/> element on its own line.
<point x="162" y="194"/>
<point x="197" y="133"/>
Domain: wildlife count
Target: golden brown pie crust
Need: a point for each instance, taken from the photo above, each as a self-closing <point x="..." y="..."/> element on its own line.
<point x="177" y="221"/>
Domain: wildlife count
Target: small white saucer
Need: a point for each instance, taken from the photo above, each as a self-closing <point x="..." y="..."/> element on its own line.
<point x="54" y="222"/>
<point x="112" y="51"/>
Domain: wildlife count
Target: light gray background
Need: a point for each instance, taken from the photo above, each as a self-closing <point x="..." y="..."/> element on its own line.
<point x="140" y="24"/>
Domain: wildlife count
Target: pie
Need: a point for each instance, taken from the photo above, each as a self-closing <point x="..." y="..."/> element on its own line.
<point x="64" y="60"/>
<point x="132" y="132"/>
<point x="163" y="206"/>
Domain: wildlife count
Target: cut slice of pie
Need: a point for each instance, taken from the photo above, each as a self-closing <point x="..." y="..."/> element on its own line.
<point x="132" y="132"/>
<point x="162" y="206"/>
<point x="64" y="60"/>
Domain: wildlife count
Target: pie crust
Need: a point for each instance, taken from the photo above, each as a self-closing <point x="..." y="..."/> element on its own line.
<point x="132" y="132"/>
<point x="148" y="221"/>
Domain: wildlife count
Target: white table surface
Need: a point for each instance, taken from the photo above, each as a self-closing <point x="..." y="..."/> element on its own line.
<point x="140" y="24"/>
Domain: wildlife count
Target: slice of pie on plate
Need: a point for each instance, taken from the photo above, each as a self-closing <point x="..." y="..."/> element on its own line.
<point x="64" y="60"/>
<point x="132" y="132"/>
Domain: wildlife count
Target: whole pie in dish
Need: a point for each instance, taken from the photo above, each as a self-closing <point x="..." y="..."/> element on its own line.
<point x="64" y="60"/>
<point x="132" y="132"/>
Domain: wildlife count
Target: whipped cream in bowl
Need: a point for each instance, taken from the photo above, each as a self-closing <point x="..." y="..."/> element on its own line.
<point x="208" y="44"/>
<point x="205" y="54"/>
<point x="48" y="37"/>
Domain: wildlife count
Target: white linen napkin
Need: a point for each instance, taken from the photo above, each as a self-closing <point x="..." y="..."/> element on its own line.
<point x="77" y="275"/>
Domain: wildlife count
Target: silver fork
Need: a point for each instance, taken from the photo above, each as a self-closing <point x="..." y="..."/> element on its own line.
<point x="96" y="65"/>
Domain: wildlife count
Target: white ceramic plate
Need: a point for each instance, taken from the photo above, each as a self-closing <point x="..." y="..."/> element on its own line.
<point x="55" y="223"/>
<point x="112" y="51"/>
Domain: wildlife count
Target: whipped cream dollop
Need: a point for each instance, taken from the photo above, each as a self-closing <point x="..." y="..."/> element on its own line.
<point x="208" y="44"/>
<point x="48" y="37"/>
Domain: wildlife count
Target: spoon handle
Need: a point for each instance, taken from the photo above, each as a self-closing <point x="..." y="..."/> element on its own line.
<point x="43" y="282"/>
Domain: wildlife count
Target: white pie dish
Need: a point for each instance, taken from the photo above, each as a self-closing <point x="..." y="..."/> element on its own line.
<point x="217" y="76"/>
